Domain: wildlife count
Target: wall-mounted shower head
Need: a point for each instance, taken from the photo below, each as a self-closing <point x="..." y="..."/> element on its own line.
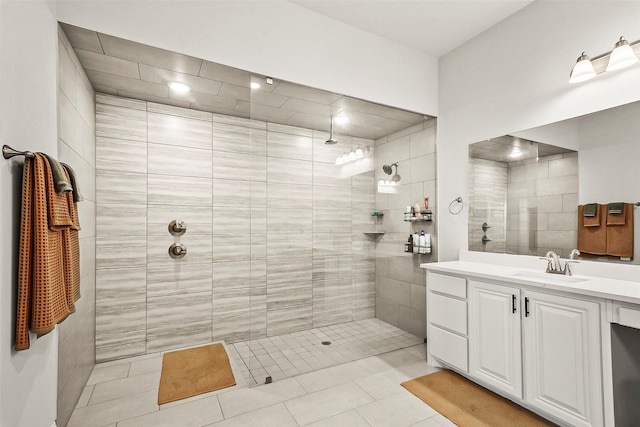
<point x="388" y="170"/>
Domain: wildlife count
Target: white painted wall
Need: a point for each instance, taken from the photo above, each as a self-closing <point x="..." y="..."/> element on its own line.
<point x="28" y="121"/>
<point x="274" y="38"/>
<point x="514" y="77"/>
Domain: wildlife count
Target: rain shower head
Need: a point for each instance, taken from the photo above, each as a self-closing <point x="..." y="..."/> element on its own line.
<point x="331" y="140"/>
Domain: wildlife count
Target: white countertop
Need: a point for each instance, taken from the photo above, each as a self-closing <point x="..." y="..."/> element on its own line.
<point x="612" y="289"/>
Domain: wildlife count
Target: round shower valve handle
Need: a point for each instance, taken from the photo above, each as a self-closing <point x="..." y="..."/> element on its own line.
<point x="177" y="227"/>
<point x="177" y="250"/>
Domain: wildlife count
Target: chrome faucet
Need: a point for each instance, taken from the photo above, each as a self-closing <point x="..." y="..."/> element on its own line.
<point x="567" y="265"/>
<point x="554" y="265"/>
<point x="554" y="262"/>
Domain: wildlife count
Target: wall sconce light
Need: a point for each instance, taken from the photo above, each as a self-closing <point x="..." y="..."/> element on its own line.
<point x="352" y="156"/>
<point x="622" y="55"/>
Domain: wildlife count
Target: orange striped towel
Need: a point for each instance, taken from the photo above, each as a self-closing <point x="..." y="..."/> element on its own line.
<point x="49" y="270"/>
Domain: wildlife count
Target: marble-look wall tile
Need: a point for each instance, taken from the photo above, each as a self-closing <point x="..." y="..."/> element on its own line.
<point x="178" y="321"/>
<point x="239" y="139"/>
<point x="121" y="220"/>
<point x="121" y="155"/>
<point x="120" y="328"/>
<point x="289" y="196"/>
<point x="179" y="161"/>
<point x="332" y="198"/>
<point x="289" y="171"/>
<point x="120" y="252"/>
<point x="179" y="131"/>
<point x="292" y="221"/>
<point x="121" y="123"/>
<point x="223" y="252"/>
<point x="252" y="199"/>
<point x="292" y="319"/>
<point x="121" y="187"/>
<point x="327" y="174"/>
<point x="179" y="190"/>
<point x="332" y="290"/>
<point x="289" y="146"/>
<point x="231" y="221"/>
<point x="178" y="278"/>
<point x="233" y="194"/>
<point x="116" y="284"/>
<point x="239" y="166"/>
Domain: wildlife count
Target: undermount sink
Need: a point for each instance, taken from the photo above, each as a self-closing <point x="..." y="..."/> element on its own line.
<point x="548" y="277"/>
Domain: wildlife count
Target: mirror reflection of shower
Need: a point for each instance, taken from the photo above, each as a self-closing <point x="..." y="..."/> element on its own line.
<point x="519" y="196"/>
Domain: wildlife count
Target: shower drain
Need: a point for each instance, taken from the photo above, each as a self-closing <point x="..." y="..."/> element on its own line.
<point x="326" y="343"/>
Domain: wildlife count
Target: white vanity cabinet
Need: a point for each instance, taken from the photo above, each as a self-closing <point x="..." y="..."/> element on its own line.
<point x="539" y="348"/>
<point x="562" y="368"/>
<point x="495" y="344"/>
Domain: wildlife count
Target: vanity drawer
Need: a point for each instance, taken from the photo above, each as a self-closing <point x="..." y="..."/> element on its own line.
<point x="449" y="285"/>
<point x="448" y="347"/>
<point x="447" y="312"/>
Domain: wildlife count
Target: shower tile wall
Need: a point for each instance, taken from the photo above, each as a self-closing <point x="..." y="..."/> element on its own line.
<point x="542" y="205"/>
<point x="76" y="147"/>
<point x="400" y="282"/>
<point x="274" y="238"/>
<point x="488" y="195"/>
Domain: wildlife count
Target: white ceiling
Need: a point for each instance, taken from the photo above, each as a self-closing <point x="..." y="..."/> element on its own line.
<point x="434" y="27"/>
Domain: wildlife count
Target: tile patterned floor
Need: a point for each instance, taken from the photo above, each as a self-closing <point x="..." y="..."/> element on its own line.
<point x="353" y="382"/>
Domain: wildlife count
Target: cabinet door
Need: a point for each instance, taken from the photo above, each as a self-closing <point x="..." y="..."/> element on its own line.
<point x="562" y="358"/>
<point x="495" y="348"/>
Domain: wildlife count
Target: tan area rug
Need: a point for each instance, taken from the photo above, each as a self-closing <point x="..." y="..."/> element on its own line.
<point x="468" y="404"/>
<point x="194" y="371"/>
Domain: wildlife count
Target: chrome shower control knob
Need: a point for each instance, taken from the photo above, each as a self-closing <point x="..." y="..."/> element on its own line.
<point x="177" y="227"/>
<point x="177" y="250"/>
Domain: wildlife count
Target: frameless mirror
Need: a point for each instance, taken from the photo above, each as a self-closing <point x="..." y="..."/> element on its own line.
<point x="522" y="197"/>
<point x="531" y="204"/>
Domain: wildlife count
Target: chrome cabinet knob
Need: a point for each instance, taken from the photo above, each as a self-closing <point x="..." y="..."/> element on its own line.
<point x="177" y="250"/>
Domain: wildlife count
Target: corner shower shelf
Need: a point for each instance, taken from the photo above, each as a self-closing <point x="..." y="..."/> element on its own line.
<point x="418" y="220"/>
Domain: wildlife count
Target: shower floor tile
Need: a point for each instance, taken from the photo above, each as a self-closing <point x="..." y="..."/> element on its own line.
<point x="301" y="352"/>
<point x="360" y="372"/>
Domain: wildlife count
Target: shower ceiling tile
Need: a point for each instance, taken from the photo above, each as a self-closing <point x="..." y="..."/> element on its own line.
<point x="151" y="98"/>
<point x="129" y="69"/>
<point x="162" y="76"/>
<point x="211" y="70"/>
<point x="126" y="83"/>
<point x="216" y="103"/>
<point x="310" y="107"/>
<point x="189" y="113"/>
<point x="263" y="97"/>
<point x="241" y="93"/>
<point x="144" y="54"/>
<point x="264" y="112"/>
<point x="108" y="64"/>
<point x="82" y="39"/>
<point x="304" y="92"/>
<point x="353" y="104"/>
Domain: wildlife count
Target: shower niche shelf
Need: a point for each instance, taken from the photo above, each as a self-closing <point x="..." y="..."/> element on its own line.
<point x="374" y="233"/>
